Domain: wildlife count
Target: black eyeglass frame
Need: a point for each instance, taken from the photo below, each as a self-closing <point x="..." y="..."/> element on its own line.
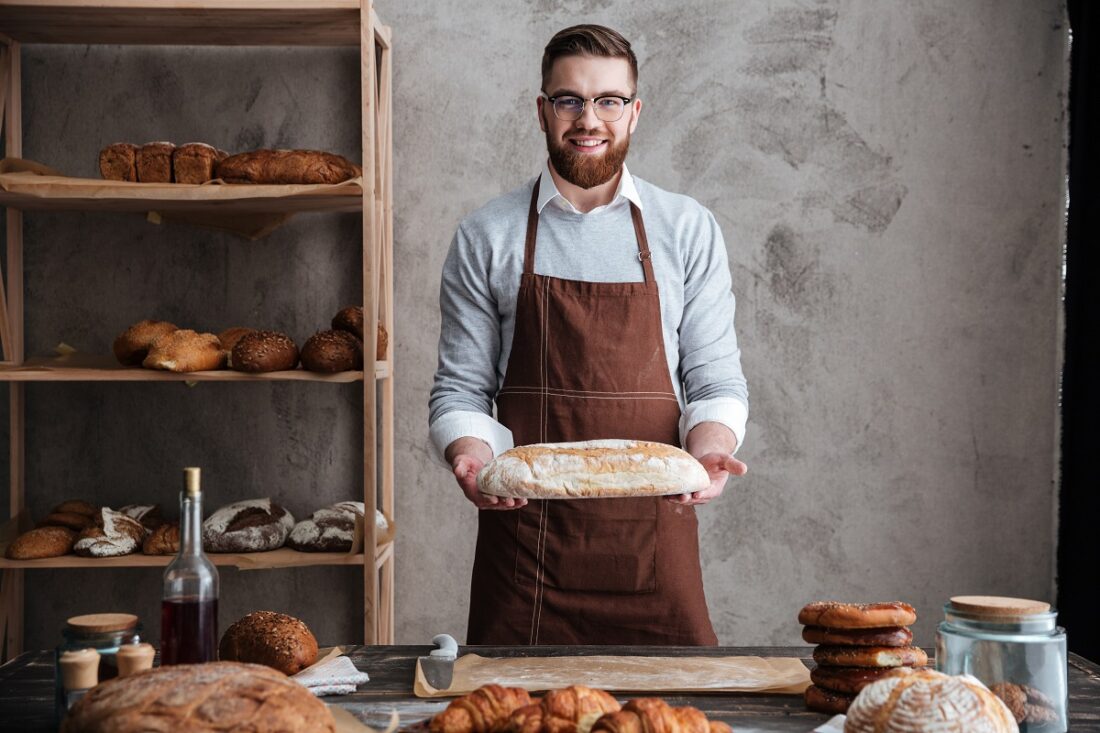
<point x="625" y="100"/>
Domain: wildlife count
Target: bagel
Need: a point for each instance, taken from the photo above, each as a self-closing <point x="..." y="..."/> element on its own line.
<point x="894" y="636"/>
<point x="870" y="656"/>
<point x="827" y="701"/>
<point x="849" y="680"/>
<point x="835" y="615"/>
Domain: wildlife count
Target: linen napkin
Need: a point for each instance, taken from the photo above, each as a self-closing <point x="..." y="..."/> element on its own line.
<point x="835" y="725"/>
<point x="336" y="676"/>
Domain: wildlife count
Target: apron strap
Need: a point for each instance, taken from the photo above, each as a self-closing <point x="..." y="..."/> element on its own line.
<point x="643" y="243"/>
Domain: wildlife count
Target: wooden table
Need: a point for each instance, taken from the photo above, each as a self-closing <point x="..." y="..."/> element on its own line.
<point x="26" y="688"/>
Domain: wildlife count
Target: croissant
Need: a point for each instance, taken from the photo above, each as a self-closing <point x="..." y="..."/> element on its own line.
<point x="485" y="710"/>
<point x="568" y="710"/>
<point x="654" y="715"/>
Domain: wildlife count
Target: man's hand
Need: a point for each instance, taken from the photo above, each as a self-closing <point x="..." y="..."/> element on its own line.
<point x="467" y="456"/>
<point x="712" y="445"/>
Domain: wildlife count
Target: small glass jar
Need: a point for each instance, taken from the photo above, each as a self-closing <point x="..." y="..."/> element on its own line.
<point x="1013" y="646"/>
<point x="103" y="632"/>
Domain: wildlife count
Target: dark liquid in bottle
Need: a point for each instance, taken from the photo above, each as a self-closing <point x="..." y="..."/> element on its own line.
<point x="188" y="631"/>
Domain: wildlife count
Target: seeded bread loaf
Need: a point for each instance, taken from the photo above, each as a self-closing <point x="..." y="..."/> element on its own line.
<point x="273" y="639"/>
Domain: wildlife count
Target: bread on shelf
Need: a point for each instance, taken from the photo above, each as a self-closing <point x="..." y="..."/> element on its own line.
<point x="285" y="167"/>
<point x="41" y="543"/>
<point x="255" y="525"/>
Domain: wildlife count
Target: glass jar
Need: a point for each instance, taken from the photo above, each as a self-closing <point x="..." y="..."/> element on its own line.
<point x="1013" y="646"/>
<point x="103" y="632"/>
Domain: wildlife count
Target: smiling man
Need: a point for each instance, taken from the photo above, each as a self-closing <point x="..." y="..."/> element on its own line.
<point x="588" y="304"/>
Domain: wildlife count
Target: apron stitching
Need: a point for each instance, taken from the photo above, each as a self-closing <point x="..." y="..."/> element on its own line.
<point x="550" y="393"/>
<point x="536" y="607"/>
<point x="542" y="571"/>
<point x="580" y="391"/>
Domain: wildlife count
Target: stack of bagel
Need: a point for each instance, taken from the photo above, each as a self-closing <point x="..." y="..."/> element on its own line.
<point x="858" y="643"/>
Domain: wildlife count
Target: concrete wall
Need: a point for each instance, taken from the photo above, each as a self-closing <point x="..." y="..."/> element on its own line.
<point x="889" y="182"/>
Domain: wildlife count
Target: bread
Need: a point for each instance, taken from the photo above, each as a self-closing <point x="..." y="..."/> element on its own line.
<point x="264" y="351"/>
<point x="78" y="506"/>
<point x="894" y="636"/>
<point x="350" y="319"/>
<point x="569" y="710"/>
<point x="42" y="542"/>
<point x="154" y="162"/>
<point x="485" y="710"/>
<point x="654" y="715"/>
<point x="870" y="656"/>
<point x="147" y="514"/>
<point x="595" y="468"/>
<point x="849" y="680"/>
<point x="286" y="167"/>
<point x="229" y="338"/>
<point x="273" y="639"/>
<point x="186" y="351"/>
<point x="827" y="701"/>
<point x="331" y="529"/>
<point x="835" y="615"/>
<point x="256" y="525"/>
<point x="200" y="698"/>
<point x="72" y="520"/>
<point x="194" y="162"/>
<point x="332" y="351"/>
<point x="119" y="535"/>
<point x="132" y="345"/>
<point x="118" y="162"/>
<point x="926" y="701"/>
<point x="164" y="540"/>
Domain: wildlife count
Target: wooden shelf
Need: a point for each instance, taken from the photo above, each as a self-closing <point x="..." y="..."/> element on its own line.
<point x="281" y="558"/>
<point x="186" y="22"/>
<point x="81" y="367"/>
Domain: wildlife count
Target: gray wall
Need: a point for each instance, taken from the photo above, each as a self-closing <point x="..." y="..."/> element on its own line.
<point x="889" y="181"/>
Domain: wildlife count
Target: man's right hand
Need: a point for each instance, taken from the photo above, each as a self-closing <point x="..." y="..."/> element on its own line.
<point x="467" y="456"/>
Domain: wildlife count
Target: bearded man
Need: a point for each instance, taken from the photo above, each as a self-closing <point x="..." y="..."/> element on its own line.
<point x="588" y="304"/>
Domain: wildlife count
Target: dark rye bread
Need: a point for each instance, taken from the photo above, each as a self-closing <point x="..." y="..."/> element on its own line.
<point x="332" y="351"/>
<point x="256" y="525"/>
<point x="273" y="639"/>
<point x="154" y="162"/>
<point x="331" y="529"/>
<point x="264" y="351"/>
<point x="118" y="162"/>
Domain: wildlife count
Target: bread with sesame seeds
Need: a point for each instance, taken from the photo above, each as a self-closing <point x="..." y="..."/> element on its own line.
<point x="264" y="351"/>
<point x="332" y="351"/>
<point x="273" y="639"/>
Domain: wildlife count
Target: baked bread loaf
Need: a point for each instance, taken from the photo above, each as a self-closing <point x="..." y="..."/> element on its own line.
<point x="926" y="701"/>
<point x="256" y="525"/>
<point x="286" y="167"/>
<point x="487" y="709"/>
<point x="594" y="468"/>
<point x="147" y="514"/>
<point x="896" y="636"/>
<point x="331" y="529"/>
<point x="230" y="336"/>
<point x="186" y="351"/>
<point x="273" y="639"/>
<point x="118" y="162"/>
<point x="132" y="345"/>
<point x="119" y="535"/>
<point x="42" y="542"/>
<point x="78" y="506"/>
<point x="827" y="701"/>
<point x="164" y="540"/>
<point x="264" y="351"/>
<point x="350" y="319"/>
<point x="835" y="615"/>
<point x="870" y="656"/>
<point x="72" y="520"/>
<point x="569" y="710"/>
<point x="200" y="698"/>
<point x="332" y="351"/>
<point x="652" y="714"/>
<point x="849" y="680"/>
<point x="154" y="162"/>
<point x="194" y="162"/>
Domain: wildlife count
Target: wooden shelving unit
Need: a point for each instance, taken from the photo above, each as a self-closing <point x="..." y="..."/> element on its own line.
<point x="209" y="22"/>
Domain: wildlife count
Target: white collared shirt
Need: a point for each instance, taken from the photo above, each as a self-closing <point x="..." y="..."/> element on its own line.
<point x="624" y="192"/>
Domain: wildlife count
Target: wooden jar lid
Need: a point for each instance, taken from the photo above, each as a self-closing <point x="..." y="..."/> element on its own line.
<point x="998" y="606"/>
<point x="97" y="623"/>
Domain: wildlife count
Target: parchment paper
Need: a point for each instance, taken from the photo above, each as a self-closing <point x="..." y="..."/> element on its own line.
<point x="625" y="674"/>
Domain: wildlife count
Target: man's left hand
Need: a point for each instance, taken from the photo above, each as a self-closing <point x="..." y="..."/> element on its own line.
<point x="719" y="467"/>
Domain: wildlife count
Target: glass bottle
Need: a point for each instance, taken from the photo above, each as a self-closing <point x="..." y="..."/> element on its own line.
<point x="189" y="606"/>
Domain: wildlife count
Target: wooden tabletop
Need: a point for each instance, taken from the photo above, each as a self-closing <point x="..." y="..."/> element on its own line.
<point x="26" y="688"/>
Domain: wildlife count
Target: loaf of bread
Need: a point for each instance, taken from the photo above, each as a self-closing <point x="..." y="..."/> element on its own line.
<point x="256" y="525"/>
<point x="72" y="520"/>
<point x="132" y="345"/>
<point x="273" y="639"/>
<point x="195" y="162"/>
<point x="79" y="506"/>
<point x="186" y="351"/>
<point x="154" y="162"/>
<point x="264" y="351"/>
<point x="595" y="468"/>
<point x="332" y="351"/>
<point x="164" y="540"/>
<point x="42" y="542"/>
<point x="286" y="167"/>
<point x="330" y="529"/>
<point x="120" y="534"/>
<point x="230" y="336"/>
<point x="350" y="319"/>
<point x="200" y="698"/>
<point x="147" y="514"/>
<point x="118" y="162"/>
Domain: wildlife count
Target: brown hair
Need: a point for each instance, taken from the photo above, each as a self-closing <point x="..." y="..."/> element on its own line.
<point x="587" y="40"/>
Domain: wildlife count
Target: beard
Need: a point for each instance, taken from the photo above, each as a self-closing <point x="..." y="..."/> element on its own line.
<point x="584" y="170"/>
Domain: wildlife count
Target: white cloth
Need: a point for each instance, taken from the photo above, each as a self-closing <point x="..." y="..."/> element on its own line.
<point x="834" y="725"/>
<point x="337" y="676"/>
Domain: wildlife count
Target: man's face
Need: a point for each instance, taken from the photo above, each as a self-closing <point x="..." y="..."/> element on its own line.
<point x="588" y="151"/>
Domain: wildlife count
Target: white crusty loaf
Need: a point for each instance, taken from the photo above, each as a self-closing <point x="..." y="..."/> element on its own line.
<point x="592" y="469"/>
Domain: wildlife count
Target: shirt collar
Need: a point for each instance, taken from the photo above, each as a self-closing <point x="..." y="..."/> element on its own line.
<point x="548" y="191"/>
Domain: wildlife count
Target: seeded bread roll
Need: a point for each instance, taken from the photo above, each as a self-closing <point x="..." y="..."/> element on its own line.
<point x="273" y="639"/>
<point x="118" y="162"/>
<point x="154" y="162"/>
<point x="264" y="351"/>
<point x="836" y="615"/>
<point x="870" y="656"/>
<point x="132" y="345"/>
<point x="849" y="680"/>
<point x="894" y="636"/>
<point x="286" y="167"/>
<point x="332" y="351"/>
<point x="195" y="162"/>
<point x="119" y="535"/>
<point x="186" y="351"/>
<point x="350" y="319"/>
<point x="164" y="540"/>
<point x="256" y="525"/>
<point x="42" y="542"/>
<point x="827" y="701"/>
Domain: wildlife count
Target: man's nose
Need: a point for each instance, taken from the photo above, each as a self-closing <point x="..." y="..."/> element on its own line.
<point x="588" y="119"/>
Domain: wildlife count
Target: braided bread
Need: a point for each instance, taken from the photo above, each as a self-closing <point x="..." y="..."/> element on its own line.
<point x="654" y="715"/>
<point x="485" y="710"/>
<point x="569" y="710"/>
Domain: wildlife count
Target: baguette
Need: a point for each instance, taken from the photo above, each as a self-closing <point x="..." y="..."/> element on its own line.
<point x="592" y="469"/>
<point x="286" y="167"/>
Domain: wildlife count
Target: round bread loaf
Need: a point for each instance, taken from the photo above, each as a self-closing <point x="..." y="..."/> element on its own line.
<point x="349" y="319"/>
<point x="264" y="351"/>
<point x="332" y="351"/>
<point x="849" y="680"/>
<point x="331" y="529"/>
<point x="256" y="525"/>
<point x="926" y="701"/>
<point x="200" y="698"/>
<point x="870" y="656"/>
<point x="42" y="542"/>
<point x="147" y="514"/>
<point x="273" y="639"/>
<point x="827" y="701"/>
<point x="230" y="336"/>
<point x="132" y="345"/>
<point x="72" y="520"/>
<point x="594" y="468"/>
<point x="164" y="540"/>
<point x="895" y="636"/>
<point x="120" y="535"/>
<point x="78" y="506"/>
<point x="186" y="351"/>
<point x="836" y="615"/>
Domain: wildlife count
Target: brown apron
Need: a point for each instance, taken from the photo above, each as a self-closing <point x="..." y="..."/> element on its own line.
<point x="588" y="362"/>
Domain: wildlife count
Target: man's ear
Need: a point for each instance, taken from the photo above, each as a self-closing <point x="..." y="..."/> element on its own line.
<point x="540" y="106"/>
<point x="637" y="105"/>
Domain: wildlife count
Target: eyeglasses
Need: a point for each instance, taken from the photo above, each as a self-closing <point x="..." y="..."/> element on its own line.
<point x="608" y="108"/>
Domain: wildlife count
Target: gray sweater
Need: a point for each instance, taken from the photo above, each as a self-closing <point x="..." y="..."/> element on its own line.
<point x="481" y="277"/>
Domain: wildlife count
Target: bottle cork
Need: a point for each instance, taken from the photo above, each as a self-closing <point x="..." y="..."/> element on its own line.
<point x="133" y="658"/>
<point x="79" y="669"/>
<point x="191" y="478"/>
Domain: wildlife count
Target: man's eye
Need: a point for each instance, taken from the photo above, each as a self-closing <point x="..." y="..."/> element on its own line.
<point x="609" y="102"/>
<point x="569" y="102"/>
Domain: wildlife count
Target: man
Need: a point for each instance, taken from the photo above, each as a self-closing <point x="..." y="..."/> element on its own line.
<point x="583" y="320"/>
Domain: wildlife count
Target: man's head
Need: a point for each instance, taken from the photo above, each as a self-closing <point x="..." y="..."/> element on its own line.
<point x="588" y="108"/>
